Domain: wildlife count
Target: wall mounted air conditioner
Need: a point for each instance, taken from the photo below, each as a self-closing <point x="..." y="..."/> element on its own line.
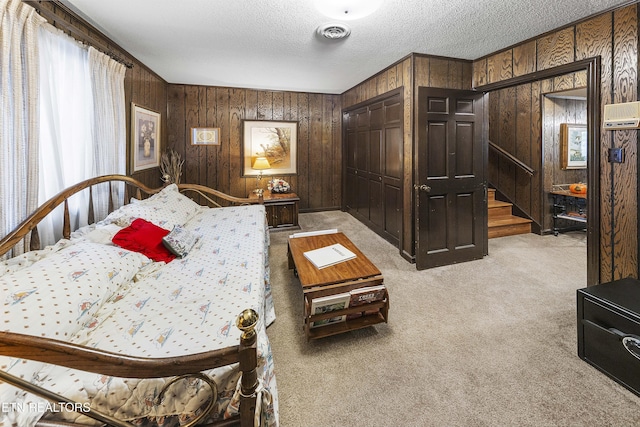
<point x="622" y="116"/>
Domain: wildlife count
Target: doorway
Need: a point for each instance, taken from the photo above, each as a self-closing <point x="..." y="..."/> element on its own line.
<point x="564" y="154"/>
<point x="590" y="69"/>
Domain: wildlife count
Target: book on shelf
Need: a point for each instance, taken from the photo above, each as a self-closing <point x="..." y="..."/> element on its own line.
<point x="329" y="255"/>
<point x="364" y="296"/>
<point x="328" y="304"/>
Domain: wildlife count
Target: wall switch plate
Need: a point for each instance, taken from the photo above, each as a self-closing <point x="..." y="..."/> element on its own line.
<point x="616" y="155"/>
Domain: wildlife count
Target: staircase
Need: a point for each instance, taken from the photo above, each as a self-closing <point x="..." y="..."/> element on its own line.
<point x="501" y="220"/>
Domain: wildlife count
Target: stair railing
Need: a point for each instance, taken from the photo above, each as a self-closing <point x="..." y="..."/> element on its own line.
<point x="511" y="158"/>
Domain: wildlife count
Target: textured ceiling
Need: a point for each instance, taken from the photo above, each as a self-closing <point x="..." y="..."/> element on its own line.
<point x="271" y="44"/>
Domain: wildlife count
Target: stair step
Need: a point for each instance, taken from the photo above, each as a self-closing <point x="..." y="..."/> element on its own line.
<point x="498" y="208"/>
<point x="500" y="219"/>
<point x="508" y="225"/>
<point x="508" y="219"/>
<point x="498" y="203"/>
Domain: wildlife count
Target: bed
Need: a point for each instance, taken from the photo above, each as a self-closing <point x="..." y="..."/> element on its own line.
<point x="95" y="332"/>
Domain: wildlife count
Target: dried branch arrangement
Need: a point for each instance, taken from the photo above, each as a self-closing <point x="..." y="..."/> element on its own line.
<point x="171" y="166"/>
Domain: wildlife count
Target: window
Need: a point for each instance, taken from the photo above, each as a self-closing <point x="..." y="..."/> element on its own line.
<point x="77" y="142"/>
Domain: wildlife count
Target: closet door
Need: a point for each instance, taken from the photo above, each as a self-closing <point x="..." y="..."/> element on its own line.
<point x="374" y="165"/>
<point x="356" y="188"/>
<point x="350" y="194"/>
<point x="376" y="141"/>
<point x="362" y="164"/>
<point x="393" y="164"/>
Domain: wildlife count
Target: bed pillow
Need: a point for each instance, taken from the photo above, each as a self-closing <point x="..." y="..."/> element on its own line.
<point x="180" y="241"/>
<point x="58" y="295"/>
<point x="146" y="238"/>
<point x="165" y="209"/>
<point x="97" y="233"/>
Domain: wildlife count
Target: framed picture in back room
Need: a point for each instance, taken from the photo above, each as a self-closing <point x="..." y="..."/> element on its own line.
<point x="573" y="146"/>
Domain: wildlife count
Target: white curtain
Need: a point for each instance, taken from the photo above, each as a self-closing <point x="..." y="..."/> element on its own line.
<point x="18" y="115"/>
<point x="109" y="125"/>
<point x="66" y="155"/>
<point x="82" y="126"/>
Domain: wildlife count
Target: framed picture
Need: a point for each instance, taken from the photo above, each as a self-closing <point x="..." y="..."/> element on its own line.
<point x="573" y="146"/>
<point x="205" y="136"/>
<point x="145" y="138"/>
<point x="276" y="141"/>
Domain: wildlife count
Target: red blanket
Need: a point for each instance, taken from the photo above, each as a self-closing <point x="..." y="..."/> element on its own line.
<point x="146" y="238"/>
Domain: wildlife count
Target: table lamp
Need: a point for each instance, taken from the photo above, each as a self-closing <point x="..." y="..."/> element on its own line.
<point x="261" y="163"/>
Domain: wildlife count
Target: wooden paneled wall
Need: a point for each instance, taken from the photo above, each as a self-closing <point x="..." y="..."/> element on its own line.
<point x="614" y="37"/>
<point x="142" y="86"/>
<point x="392" y="77"/>
<point x="318" y="181"/>
<point x="146" y="89"/>
<point x="410" y="73"/>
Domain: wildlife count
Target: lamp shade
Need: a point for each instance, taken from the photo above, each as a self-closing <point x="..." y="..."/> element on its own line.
<point x="261" y="163"/>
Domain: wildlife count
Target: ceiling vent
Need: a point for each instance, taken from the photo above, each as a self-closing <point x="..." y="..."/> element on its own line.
<point x="622" y="116"/>
<point x="334" y="31"/>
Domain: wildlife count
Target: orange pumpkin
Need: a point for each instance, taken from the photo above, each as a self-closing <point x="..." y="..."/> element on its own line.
<point x="578" y="188"/>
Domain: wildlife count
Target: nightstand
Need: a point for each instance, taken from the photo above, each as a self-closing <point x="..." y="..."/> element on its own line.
<point x="282" y="210"/>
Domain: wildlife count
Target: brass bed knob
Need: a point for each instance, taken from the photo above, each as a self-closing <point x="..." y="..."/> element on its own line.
<point x="246" y="322"/>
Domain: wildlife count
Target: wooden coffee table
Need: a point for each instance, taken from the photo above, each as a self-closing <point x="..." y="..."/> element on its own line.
<point x="336" y="279"/>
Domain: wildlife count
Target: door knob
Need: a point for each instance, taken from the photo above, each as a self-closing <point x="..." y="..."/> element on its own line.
<point x="422" y="187"/>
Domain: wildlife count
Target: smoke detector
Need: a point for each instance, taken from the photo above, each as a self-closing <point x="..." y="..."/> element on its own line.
<point x="334" y="31"/>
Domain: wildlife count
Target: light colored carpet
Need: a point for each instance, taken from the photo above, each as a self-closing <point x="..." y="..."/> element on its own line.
<point x="484" y="343"/>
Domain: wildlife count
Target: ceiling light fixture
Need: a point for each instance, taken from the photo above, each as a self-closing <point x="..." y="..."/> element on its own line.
<point x="347" y="10"/>
<point x="334" y="31"/>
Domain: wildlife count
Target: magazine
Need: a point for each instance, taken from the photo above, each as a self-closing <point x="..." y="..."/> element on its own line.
<point x="329" y="255"/>
<point x="327" y="304"/>
<point x="364" y="296"/>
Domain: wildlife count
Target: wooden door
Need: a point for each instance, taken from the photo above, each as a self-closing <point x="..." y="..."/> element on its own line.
<point x="356" y="154"/>
<point x="450" y="183"/>
<point x="393" y="169"/>
<point x="376" y="142"/>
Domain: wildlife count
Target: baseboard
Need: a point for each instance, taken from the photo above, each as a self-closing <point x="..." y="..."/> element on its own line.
<point x="332" y="208"/>
<point x="411" y="258"/>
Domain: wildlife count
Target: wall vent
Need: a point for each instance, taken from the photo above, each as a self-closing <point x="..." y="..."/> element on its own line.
<point x="622" y="116"/>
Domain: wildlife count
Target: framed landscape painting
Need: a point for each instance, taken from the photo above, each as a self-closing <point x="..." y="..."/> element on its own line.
<point x="145" y="138"/>
<point x="275" y="140"/>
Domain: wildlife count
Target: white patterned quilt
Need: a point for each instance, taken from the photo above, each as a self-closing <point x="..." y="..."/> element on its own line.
<point x="116" y="300"/>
